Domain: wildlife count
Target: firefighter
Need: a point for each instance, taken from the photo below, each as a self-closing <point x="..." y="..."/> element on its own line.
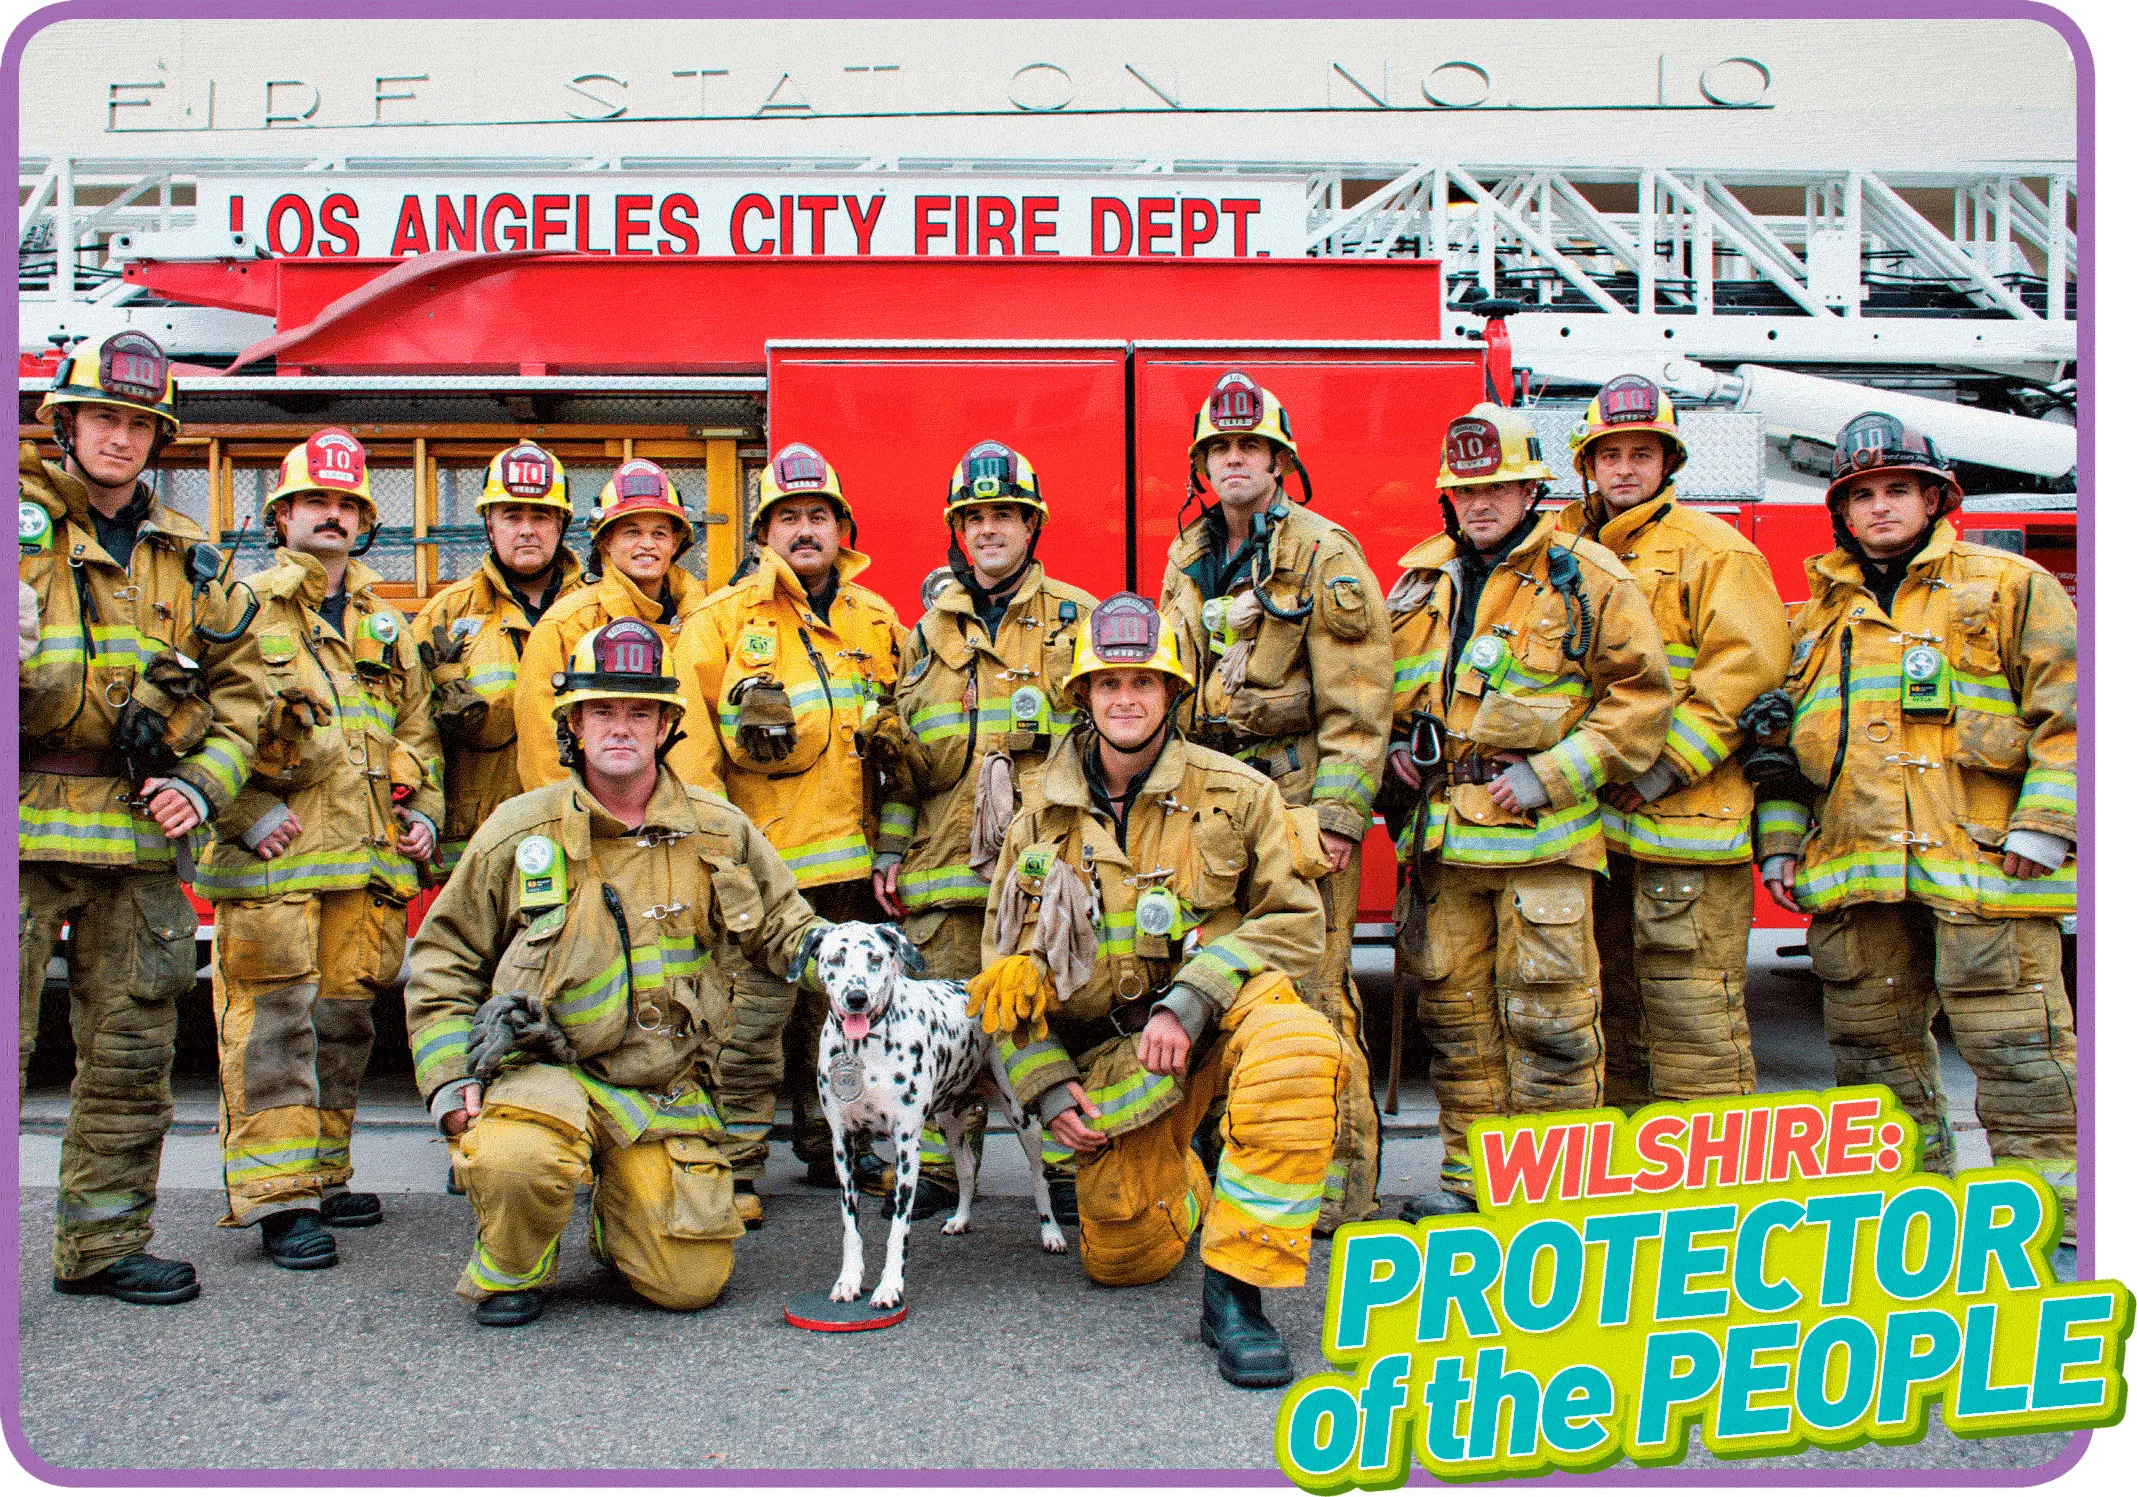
<point x="584" y="929"/>
<point x="793" y="661"/>
<point x="315" y="860"/>
<point x="1932" y="832"/>
<point x="1673" y="917"/>
<point x="1289" y="634"/>
<point x="982" y="696"/>
<point x="1145" y="934"/>
<point x="137" y="713"/>
<point x="1529" y="674"/>
<point x="472" y="635"/>
<point x="640" y="535"/>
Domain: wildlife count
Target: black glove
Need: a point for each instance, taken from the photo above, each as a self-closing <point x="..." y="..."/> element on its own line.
<point x="142" y="739"/>
<point x="765" y="723"/>
<point x="507" y="1022"/>
<point x="1769" y="717"/>
<point x="1769" y="763"/>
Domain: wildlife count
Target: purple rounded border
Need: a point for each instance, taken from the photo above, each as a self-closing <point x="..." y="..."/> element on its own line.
<point x="1624" y="1476"/>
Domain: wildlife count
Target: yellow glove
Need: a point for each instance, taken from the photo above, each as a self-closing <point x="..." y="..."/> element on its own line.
<point x="1013" y="993"/>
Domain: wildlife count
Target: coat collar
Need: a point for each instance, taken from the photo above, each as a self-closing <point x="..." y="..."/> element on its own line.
<point x="1615" y="532"/>
<point x="584" y="817"/>
<point x="774" y="579"/>
<point x="491" y="576"/>
<point x="1064" y="782"/>
<point x="312" y="590"/>
<point x="1839" y="568"/>
<point x="956" y="598"/>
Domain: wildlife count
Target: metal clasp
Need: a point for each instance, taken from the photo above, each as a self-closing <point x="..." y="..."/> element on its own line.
<point x="1017" y="673"/>
<point x="1911" y="761"/>
<point x="1155" y="876"/>
<point x="1910" y="839"/>
<point x="663" y="911"/>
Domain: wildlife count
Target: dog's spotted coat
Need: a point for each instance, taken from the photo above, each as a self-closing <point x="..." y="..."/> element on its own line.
<point x="897" y="1053"/>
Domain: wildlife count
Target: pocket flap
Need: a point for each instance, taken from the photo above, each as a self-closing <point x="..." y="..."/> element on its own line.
<point x="1305" y="824"/>
<point x="1551" y="906"/>
<point x="741" y="906"/>
<point x="1665" y="885"/>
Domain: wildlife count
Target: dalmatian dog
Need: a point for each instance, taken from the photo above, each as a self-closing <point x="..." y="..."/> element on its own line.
<point x="897" y="1053"/>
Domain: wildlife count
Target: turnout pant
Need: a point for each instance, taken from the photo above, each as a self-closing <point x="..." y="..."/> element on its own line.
<point x="1888" y="968"/>
<point x="1144" y="1193"/>
<point x="295" y="978"/>
<point x="129" y="954"/>
<point x="771" y="1045"/>
<point x="1510" y="999"/>
<point x="663" y="1210"/>
<point x="1673" y="980"/>
<point x="1350" y="1192"/>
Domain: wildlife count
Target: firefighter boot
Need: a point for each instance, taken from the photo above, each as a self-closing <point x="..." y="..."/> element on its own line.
<point x="1250" y="1352"/>
<point x="295" y="1239"/>
<point x="514" y="1308"/>
<point x="1441" y="1202"/>
<point x="749" y="1205"/>
<point x="352" y="1208"/>
<point x="138" y="1279"/>
<point x="930" y="1198"/>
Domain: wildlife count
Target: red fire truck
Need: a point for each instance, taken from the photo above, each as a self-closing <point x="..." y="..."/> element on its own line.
<point x="892" y="367"/>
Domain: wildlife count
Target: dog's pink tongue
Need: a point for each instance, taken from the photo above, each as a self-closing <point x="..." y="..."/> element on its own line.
<point x="855" y="1025"/>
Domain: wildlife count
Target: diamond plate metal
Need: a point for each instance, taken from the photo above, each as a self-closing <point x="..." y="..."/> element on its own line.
<point x="1728" y="459"/>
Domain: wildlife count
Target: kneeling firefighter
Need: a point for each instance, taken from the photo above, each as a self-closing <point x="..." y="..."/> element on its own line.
<point x="1529" y="674"/>
<point x="566" y="997"/>
<point x="1146" y="931"/>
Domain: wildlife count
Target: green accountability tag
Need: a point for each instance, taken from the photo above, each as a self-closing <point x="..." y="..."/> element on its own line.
<point x="541" y="873"/>
<point x="1925" y="680"/>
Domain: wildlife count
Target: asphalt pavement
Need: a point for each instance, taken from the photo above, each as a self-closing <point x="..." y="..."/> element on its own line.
<point x="1010" y="1359"/>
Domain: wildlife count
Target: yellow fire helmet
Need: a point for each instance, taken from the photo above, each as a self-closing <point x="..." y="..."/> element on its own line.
<point x="641" y="487"/>
<point x="125" y="369"/>
<point x="622" y="659"/>
<point x="1237" y="406"/>
<point x="993" y="473"/>
<point x="798" y="469"/>
<point x="1491" y="445"/>
<point x="525" y="474"/>
<point x="1631" y="402"/>
<point x="329" y="461"/>
<point x="1126" y="632"/>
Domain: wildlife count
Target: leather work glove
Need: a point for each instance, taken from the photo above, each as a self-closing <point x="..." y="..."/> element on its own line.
<point x="455" y="706"/>
<point x="291" y="716"/>
<point x="1769" y="763"/>
<point x="508" y="1022"/>
<point x="765" y="724"/>
<point x="888" y="746"/>
<point x="1012" y="996"/>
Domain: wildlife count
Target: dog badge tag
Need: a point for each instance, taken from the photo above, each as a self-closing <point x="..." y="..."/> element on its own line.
<point x="1925" y="681"/>
<point x="466" y="628"/>
<point x="541" y="873"/>
<point x="847" y="1076"/>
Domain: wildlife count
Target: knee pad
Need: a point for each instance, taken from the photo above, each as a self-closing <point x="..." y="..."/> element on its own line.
<point x="1283" y="1089"/>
